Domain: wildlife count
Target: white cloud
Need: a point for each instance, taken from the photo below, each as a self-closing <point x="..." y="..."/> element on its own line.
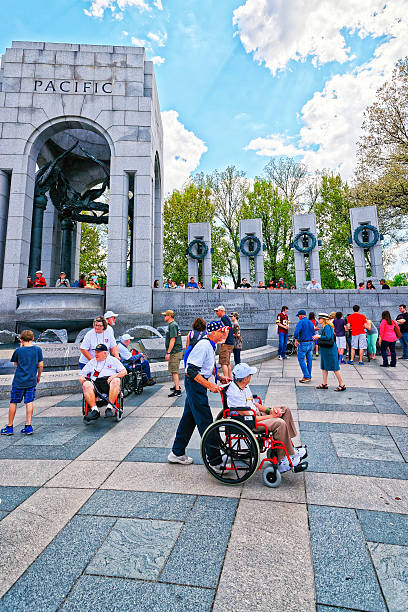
<point x="158" y="4"/>
<point x="158" y="60"/>
<point x="98" y="7"/>
<point x="331" y="120"/>
<point x="182" y="151"/>
<point x="138" y="42"/>
<point x="274" y="146"/>
<point x="125" y="33"/>
<point x="159" y="38"/>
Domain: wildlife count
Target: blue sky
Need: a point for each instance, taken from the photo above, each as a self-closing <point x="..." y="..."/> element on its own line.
<point x="248" y="79"/>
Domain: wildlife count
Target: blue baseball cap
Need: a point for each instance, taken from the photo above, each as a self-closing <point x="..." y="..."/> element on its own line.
<point x="301" y="312"/>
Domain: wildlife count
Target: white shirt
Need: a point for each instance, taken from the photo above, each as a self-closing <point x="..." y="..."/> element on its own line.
<point x="91" y="339"/>
<point x="240" y="398"/>
<point x="313" y="287"/>
<point x="203" y="356"/>
<point x="107" y="367"/>
<point x="124" y="352"/>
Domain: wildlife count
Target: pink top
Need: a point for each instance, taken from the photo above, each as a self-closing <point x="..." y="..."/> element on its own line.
<point x="387" y="332"/>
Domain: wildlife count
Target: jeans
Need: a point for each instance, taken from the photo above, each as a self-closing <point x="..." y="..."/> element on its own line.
<point x="404" y="344"/>
<point x="196" y="412"/>
<point x="305" y="358"/>
<point x="384" y="346"/>
<point x="283" y="342"/>
<point x="237" y="355"/>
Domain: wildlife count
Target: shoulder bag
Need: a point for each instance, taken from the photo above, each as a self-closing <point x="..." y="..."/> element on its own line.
<point x="397" y="330"/>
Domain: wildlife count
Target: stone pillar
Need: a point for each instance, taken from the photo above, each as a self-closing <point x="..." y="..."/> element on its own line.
<point x="4" y="205"/>
<point x="40" y="204"/>
<point x="200" y="231"/>
<point x="67" y="243"/>
<point x="306" y="223"/>
<point x="366" y="215"/>
<point x="252" y="227"/>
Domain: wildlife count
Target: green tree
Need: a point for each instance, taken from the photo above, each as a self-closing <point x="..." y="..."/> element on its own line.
<point x="93" y="249"/>
<point x="332" y="211"/>
<point x="264" y="202"/>
<point x="193" y="204"/>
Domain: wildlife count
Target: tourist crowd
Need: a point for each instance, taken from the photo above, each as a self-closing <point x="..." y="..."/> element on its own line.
<point x="91" y="282"/>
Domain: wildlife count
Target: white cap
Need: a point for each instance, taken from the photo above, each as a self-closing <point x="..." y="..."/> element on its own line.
<point x="242" y="370"/>
<point x="108" y="314"/>
<point x="126" y="337"/>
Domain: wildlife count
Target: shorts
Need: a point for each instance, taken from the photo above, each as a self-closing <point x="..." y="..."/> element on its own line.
<point x="341" y="342"/>
<point x="17" y="395"/>
<point x="225" y="354"/>
<point x="102" y="385"/>
<point x="359" y="341"/>
<point x="173" y="364"/>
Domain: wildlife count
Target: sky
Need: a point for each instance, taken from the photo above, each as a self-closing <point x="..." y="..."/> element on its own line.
<point x="241" y="81"/>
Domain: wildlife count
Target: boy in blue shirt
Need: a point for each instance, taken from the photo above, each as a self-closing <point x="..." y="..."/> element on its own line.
<point x="29" y="362"/>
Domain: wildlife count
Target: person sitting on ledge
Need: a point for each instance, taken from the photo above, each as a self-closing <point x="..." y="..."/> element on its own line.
<point x="39" y="280"/>
<point x="384" y="284"/>
<point x="370" y="285"/>
<point x="62" y="281"/>
<point x="200" y="285"/>
<point x="182" y="285"/>
<point x="314" y="285"/>
<point x="361" y="286"/>
<point x="281" y="284"/>
<point x="127" y="358"/>
<point x="219" y="284"/>
<point x="91" y="284"/>
<point x="104" y="371"/>
<point x="244" y="284"/>
<point x="156" y="284"/>
<point x="192" y="284"/>
<point x="260" y="285"/>
<point x="82" y="281"/>
<point x="271" y="284"/>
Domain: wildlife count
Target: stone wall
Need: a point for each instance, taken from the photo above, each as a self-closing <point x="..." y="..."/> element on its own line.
<point x="258" y="308"/>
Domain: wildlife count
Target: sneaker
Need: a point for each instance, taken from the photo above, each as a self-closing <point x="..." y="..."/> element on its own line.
<point x="350" y="362"/>
<point x="280" y="357"/>
<point x="92" y="416"/>
<point x="361" y="363"/>
<point x="175" y="393"/>
<point x="152" y="382"/>
<point x="27" y="430"/>
<point x="110" y="411"/>
<point x="7" y="430"/>
<point x="305" y="380"/>
<point x="182" y="459"/>
<point x="283" y="466"/>
<point x="220" y="468"/>
<point x="286" y="357"/>
<point x="301" y="451"/>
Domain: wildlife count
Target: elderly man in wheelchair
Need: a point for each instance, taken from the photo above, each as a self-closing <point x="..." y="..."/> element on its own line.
<point x="244" y="430"/>
<point x="138" y="361"/>
<point x="101" y="381"/>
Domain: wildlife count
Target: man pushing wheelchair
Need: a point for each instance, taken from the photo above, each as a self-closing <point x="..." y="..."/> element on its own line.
<point x="101" y="380"/>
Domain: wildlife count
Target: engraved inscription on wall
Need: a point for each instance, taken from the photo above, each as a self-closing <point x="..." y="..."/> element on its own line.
<point x="72" y="87"/>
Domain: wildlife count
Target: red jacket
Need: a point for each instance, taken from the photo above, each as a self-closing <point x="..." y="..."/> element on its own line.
<point x="38" y="282"/>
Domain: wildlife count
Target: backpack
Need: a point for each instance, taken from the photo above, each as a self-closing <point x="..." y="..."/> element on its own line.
<point x="196" y="337"/>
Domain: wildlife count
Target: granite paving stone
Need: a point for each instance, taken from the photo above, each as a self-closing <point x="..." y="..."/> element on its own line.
<point x="25" y="532"/>
<point x="361" y="492"/>
<point x="167" y="478"/>
<point x="379" y="468"/>
<point x="344" y="575"/>
<point x="321" y="453"/>
<point x="92" y="593"/>
<point x="336" y="407"/>
<point x="27" y="472"/>
<point x="135" y="548"/>
<point x="83" y="474"/>
<point x="263" y="571"/>
<point x="139" y="504"/>
<point x="159" y="455"/>
<point x="161" y="434"/>
<point x="355" y="418"/>
<point x="291" y="489"/>
<point x="385" y="527"/>
<point x="2" y="515"/>
<point x="197" y="556"/>
<point x="365" y="446"/>
<point x="400" y="436"/>
<point x="391" y="564"/>
<point x="11" y="497"/>
<point x="48" y="437"/>
<point x="61" y="563"/>
<point x="343" y="428"/>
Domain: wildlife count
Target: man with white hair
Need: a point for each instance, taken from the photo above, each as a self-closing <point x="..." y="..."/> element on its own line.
<point x="110" y="318"/>
<point x="278" y="419"/>
<point x="314" y="285"/>
<point x="126" y="357"/>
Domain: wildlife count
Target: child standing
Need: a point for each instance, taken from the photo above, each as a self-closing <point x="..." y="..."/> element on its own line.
<point x="234" y="316"/>
<point x="29" y="362"/>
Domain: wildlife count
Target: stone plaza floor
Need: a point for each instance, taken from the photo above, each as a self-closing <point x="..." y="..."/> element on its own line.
<point x="94" y="518"/>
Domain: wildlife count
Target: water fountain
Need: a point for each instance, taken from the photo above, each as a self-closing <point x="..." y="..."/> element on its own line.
<point x="81" y="335"/>
<point x="53" y="335"/>
<point x="8" y="337"/>
<point x="153" y="331"/>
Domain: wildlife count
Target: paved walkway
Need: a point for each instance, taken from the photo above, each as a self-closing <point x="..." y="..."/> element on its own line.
<point x="94" y="518"/>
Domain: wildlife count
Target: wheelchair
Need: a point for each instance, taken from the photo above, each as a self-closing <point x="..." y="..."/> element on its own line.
<point x="240" y="440"/>
<point x="102" y="400"/>
<point x="135" y="379"/>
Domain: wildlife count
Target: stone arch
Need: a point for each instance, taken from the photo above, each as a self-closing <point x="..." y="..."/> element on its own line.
<point x="158" y="219"/>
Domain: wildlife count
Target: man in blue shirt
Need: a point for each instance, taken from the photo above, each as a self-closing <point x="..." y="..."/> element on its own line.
<point x="303" y="334"/>
<point x="192" y="284"/>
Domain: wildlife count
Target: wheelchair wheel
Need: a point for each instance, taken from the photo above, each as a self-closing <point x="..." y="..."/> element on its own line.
<point x="271" y="476"/>
<point x="127" y="385"/>
<point x="290" y="348"/>
<point x="236" y="447"/>
<point x="138" y="382"/>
